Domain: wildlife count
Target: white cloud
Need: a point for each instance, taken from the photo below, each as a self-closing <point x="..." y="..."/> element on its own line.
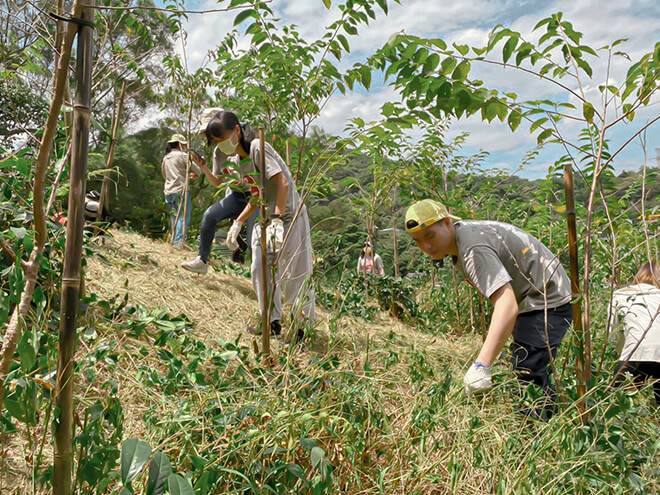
<point x="470" y="23"/>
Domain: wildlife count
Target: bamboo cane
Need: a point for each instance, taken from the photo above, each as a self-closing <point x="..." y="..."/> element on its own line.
<point x="63" y="452"/>
<point x="111" y="154"/>
<point x="396" y="240"/>
<point x="265" y="307"/>
<point x="582" y="372"/>
<point x="482" y="311"/>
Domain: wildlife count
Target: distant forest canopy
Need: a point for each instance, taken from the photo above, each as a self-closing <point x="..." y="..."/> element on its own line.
<point x="337" y="220"/>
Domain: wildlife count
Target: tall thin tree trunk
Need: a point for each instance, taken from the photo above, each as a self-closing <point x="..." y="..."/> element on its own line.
<point x="31" y="267"/>
<point x="111" y="154"/>
<point x="63" y="451"/>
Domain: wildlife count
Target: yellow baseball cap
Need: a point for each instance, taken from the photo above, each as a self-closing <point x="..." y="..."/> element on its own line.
<point x="425" y="213"/>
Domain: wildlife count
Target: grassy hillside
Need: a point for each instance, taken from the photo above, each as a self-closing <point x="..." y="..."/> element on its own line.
<point x="362" y="408"/>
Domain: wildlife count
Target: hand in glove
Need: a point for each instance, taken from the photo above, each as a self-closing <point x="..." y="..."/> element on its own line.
<point x="477" y="379"/>
<point x="275" y="235"/>
<point x="232" y="236"/>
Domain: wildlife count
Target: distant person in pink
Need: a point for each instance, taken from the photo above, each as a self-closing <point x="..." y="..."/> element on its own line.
<point x="369" y="262"/>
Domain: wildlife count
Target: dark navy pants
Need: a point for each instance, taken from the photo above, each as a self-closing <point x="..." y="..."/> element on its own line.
<point x="532" y="346"/>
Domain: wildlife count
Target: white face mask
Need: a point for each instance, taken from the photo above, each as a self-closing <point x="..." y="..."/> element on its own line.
<point x="227" y="147"/>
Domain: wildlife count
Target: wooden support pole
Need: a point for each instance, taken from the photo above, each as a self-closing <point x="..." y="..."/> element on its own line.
<point x="583" y="374"/>
<point x="63" y="452"/>
<point x="265" y="306"/>
<point x="394" y="233"/>
<point x="288" y="154"/>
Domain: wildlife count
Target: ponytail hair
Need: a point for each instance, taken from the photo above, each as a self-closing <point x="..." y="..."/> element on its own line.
<point x="648" y="273"/>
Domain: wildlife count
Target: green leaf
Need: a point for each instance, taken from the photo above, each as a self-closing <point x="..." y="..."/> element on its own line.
<point x="394" y="39"/>
<point x="126" y="491"/>
<point x="495" y="36"/>
<point x="134" y="455"/>
<point x="26" y="352"/>
<point x="584" y="66"/>
<point x="462" y="49"/>
<point x="388" y="109"/>
<point x="365" y="75"/>
<point x="461" y="71"/>
<point x="542" y="22"/>
<point x="543" y="136"/>
<point x="159" y="470"/>
<point x="588" y="112"/>
<point x="327" y="3"/>
<point x="509" y="47"/>
<point x="16" y="409"/>
<point x="537" y="124"/>
<point x="243" y="15"/>
<point x="19" y="232"/>
<point x="228" y="355"/>
<point x="431" y="63"/>
<point x="317" y="455"/>
<point x="514" y="119"/>
<point x="178" y="485"/>
<point x="344" y="42"/>
<point x="489" y="110"/>
<point x="22" y="165"/>
<point x="298" y="472"/>
<point x="448" y="65"/>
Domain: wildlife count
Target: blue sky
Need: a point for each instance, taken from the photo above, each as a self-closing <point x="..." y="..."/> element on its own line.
<point x="469" y="22"/>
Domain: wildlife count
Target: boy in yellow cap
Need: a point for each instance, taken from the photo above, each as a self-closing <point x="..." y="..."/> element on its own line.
<point x="526" y="283"/>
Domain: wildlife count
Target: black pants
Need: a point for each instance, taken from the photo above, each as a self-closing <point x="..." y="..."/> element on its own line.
<point x="642" y="371"/>
<point x="530" y="357"/>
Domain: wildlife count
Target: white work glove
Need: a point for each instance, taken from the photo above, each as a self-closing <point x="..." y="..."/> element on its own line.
<point x="477" y="379"/>
<point x="275" y="235"/>
<point x="232" y="236"/>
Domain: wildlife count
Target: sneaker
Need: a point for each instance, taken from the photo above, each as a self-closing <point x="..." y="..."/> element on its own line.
<point x="276" y="328"/>
<point x="196" y="266"/>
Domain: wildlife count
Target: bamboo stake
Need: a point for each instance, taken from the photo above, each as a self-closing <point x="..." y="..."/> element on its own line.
<point x="396" y="240"/>
<point x="265" y="317"/>
<point x="582" y="372"/>
<point x="111" y="154"/>
<point x="63" y="452"/>
<point x="482" y="311"/>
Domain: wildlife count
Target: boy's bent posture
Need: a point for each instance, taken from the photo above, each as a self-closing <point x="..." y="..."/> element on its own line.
<point x="526" y="283"/>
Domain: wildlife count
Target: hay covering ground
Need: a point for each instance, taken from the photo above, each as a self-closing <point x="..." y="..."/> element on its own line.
<point x="221" y="304"/>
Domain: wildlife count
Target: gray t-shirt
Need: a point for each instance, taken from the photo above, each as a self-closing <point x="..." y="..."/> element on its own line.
<point x="491" y="254"/>
<point x="274" y="165"/>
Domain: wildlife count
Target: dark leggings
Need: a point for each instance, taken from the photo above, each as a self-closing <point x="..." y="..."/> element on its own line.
<point x="642" y="371"/>
<point x="228" y="207"/>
